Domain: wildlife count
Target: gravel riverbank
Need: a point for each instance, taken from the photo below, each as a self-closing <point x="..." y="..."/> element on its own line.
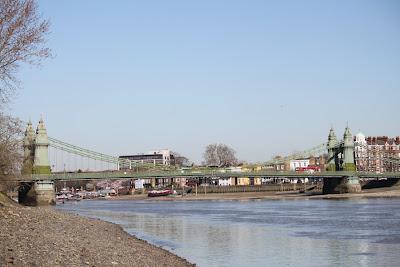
<point x="34" y="236"/>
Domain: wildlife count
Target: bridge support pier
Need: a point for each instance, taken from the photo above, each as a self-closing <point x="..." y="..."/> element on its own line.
<point x="40" y="193"/>
<point x="341" y="185"/>
<point x="26" y="194"/>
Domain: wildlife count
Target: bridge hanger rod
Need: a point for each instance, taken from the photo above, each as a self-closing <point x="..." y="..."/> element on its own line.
<point x="83" y="154"/>
<point x="112" y="160"/>
<point x="77" y="151"/>
<point x="61" y="143"/>
<point x="306" y="153"/>
<point x="89" y="153"/>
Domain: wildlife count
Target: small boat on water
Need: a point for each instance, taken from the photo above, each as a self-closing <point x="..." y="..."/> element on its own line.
<point x="160" y="193"/>
<point x="69" y="197"/>
<point x="61" y="197"/>
<point x="74" y="197"/>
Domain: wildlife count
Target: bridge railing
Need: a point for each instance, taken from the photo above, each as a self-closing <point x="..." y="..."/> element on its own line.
<point x="194" y="174"/>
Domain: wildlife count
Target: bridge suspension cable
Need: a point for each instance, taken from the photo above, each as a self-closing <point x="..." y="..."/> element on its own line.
<point x="314" y="151"/>
<point x="83" y="152"/>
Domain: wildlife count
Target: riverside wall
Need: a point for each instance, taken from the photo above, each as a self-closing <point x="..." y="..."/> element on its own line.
<point x="256" y="188"/>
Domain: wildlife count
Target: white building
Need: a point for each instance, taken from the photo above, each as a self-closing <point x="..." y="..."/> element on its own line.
<point x="225" y="181"/>
<point x="361" y="152"/>
<point x="166" y="155"/>
<point x="298" y="163"/>
<point x="155" y="157"/>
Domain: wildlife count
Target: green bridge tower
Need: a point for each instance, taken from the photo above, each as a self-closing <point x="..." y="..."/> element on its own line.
<point x="333" y="162"/>
<point x="41" y="163"/>
<point x="36" y="161"/>
<point x="29" y="149"/>
<point x="341" y="158"/>
<point x="348" y="151"/>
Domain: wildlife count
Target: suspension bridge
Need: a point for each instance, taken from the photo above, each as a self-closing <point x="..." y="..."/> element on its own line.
<point x="38" y="174"/>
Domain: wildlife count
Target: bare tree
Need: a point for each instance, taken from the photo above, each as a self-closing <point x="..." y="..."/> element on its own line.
<point x="220" y="155"/>
<point x="22" y="40"/>
<point x="180" y="160"/>
<point x="10" y="145"/>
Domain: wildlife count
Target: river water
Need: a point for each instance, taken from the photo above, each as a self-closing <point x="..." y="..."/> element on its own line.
<point x="356" y="232"/>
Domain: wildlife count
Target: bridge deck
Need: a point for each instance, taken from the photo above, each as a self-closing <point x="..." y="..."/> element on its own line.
<point x="193" y="174"/>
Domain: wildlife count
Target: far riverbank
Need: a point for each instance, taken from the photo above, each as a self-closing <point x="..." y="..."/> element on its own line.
<point x="393" y="192"/>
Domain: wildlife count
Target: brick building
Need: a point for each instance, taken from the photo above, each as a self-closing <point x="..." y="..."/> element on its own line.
<point x="377" y="153"/>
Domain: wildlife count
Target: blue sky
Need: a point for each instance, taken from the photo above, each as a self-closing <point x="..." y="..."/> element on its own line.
<point x="265" y="77"/>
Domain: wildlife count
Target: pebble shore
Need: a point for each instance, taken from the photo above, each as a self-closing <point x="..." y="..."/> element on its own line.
<point x="35" y="236"/>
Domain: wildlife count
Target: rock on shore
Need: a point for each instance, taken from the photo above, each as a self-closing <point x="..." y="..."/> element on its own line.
<point x="46" y="237"/>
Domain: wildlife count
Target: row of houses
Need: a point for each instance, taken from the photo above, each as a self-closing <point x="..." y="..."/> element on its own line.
<point x="377" y="154"/>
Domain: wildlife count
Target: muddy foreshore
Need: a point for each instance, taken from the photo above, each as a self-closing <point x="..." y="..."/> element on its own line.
<point x="35" y="236"/>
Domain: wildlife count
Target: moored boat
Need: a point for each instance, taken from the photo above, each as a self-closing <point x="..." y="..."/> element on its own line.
<point x="159" y="193"/>
<point x="61" y="197"/>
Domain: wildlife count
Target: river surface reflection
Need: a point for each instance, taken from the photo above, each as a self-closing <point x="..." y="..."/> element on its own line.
<point x="358" y="232"/>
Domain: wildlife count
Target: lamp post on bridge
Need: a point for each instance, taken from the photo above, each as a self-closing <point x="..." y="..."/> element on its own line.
<point x="65" y="177"/>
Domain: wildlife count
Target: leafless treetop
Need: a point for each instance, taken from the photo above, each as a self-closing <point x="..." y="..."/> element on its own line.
<point x="10" y="145"/>
<point x="220" y="155"/>
<point x="22" y="40"/>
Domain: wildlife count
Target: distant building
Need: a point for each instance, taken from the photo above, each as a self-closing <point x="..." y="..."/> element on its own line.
<point x="226" y="181"/>
<point x="180" y="182"/>
<point x="361" y="152"/>
<point x="377" y="154"/>
<point x="278" y="167"/>
<point x="298" y="163"/>
<point x="281" y="166"/>
<point x="157" y="157"/>
<point x="291" y="165"/>
<point x="319" y="162"/>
